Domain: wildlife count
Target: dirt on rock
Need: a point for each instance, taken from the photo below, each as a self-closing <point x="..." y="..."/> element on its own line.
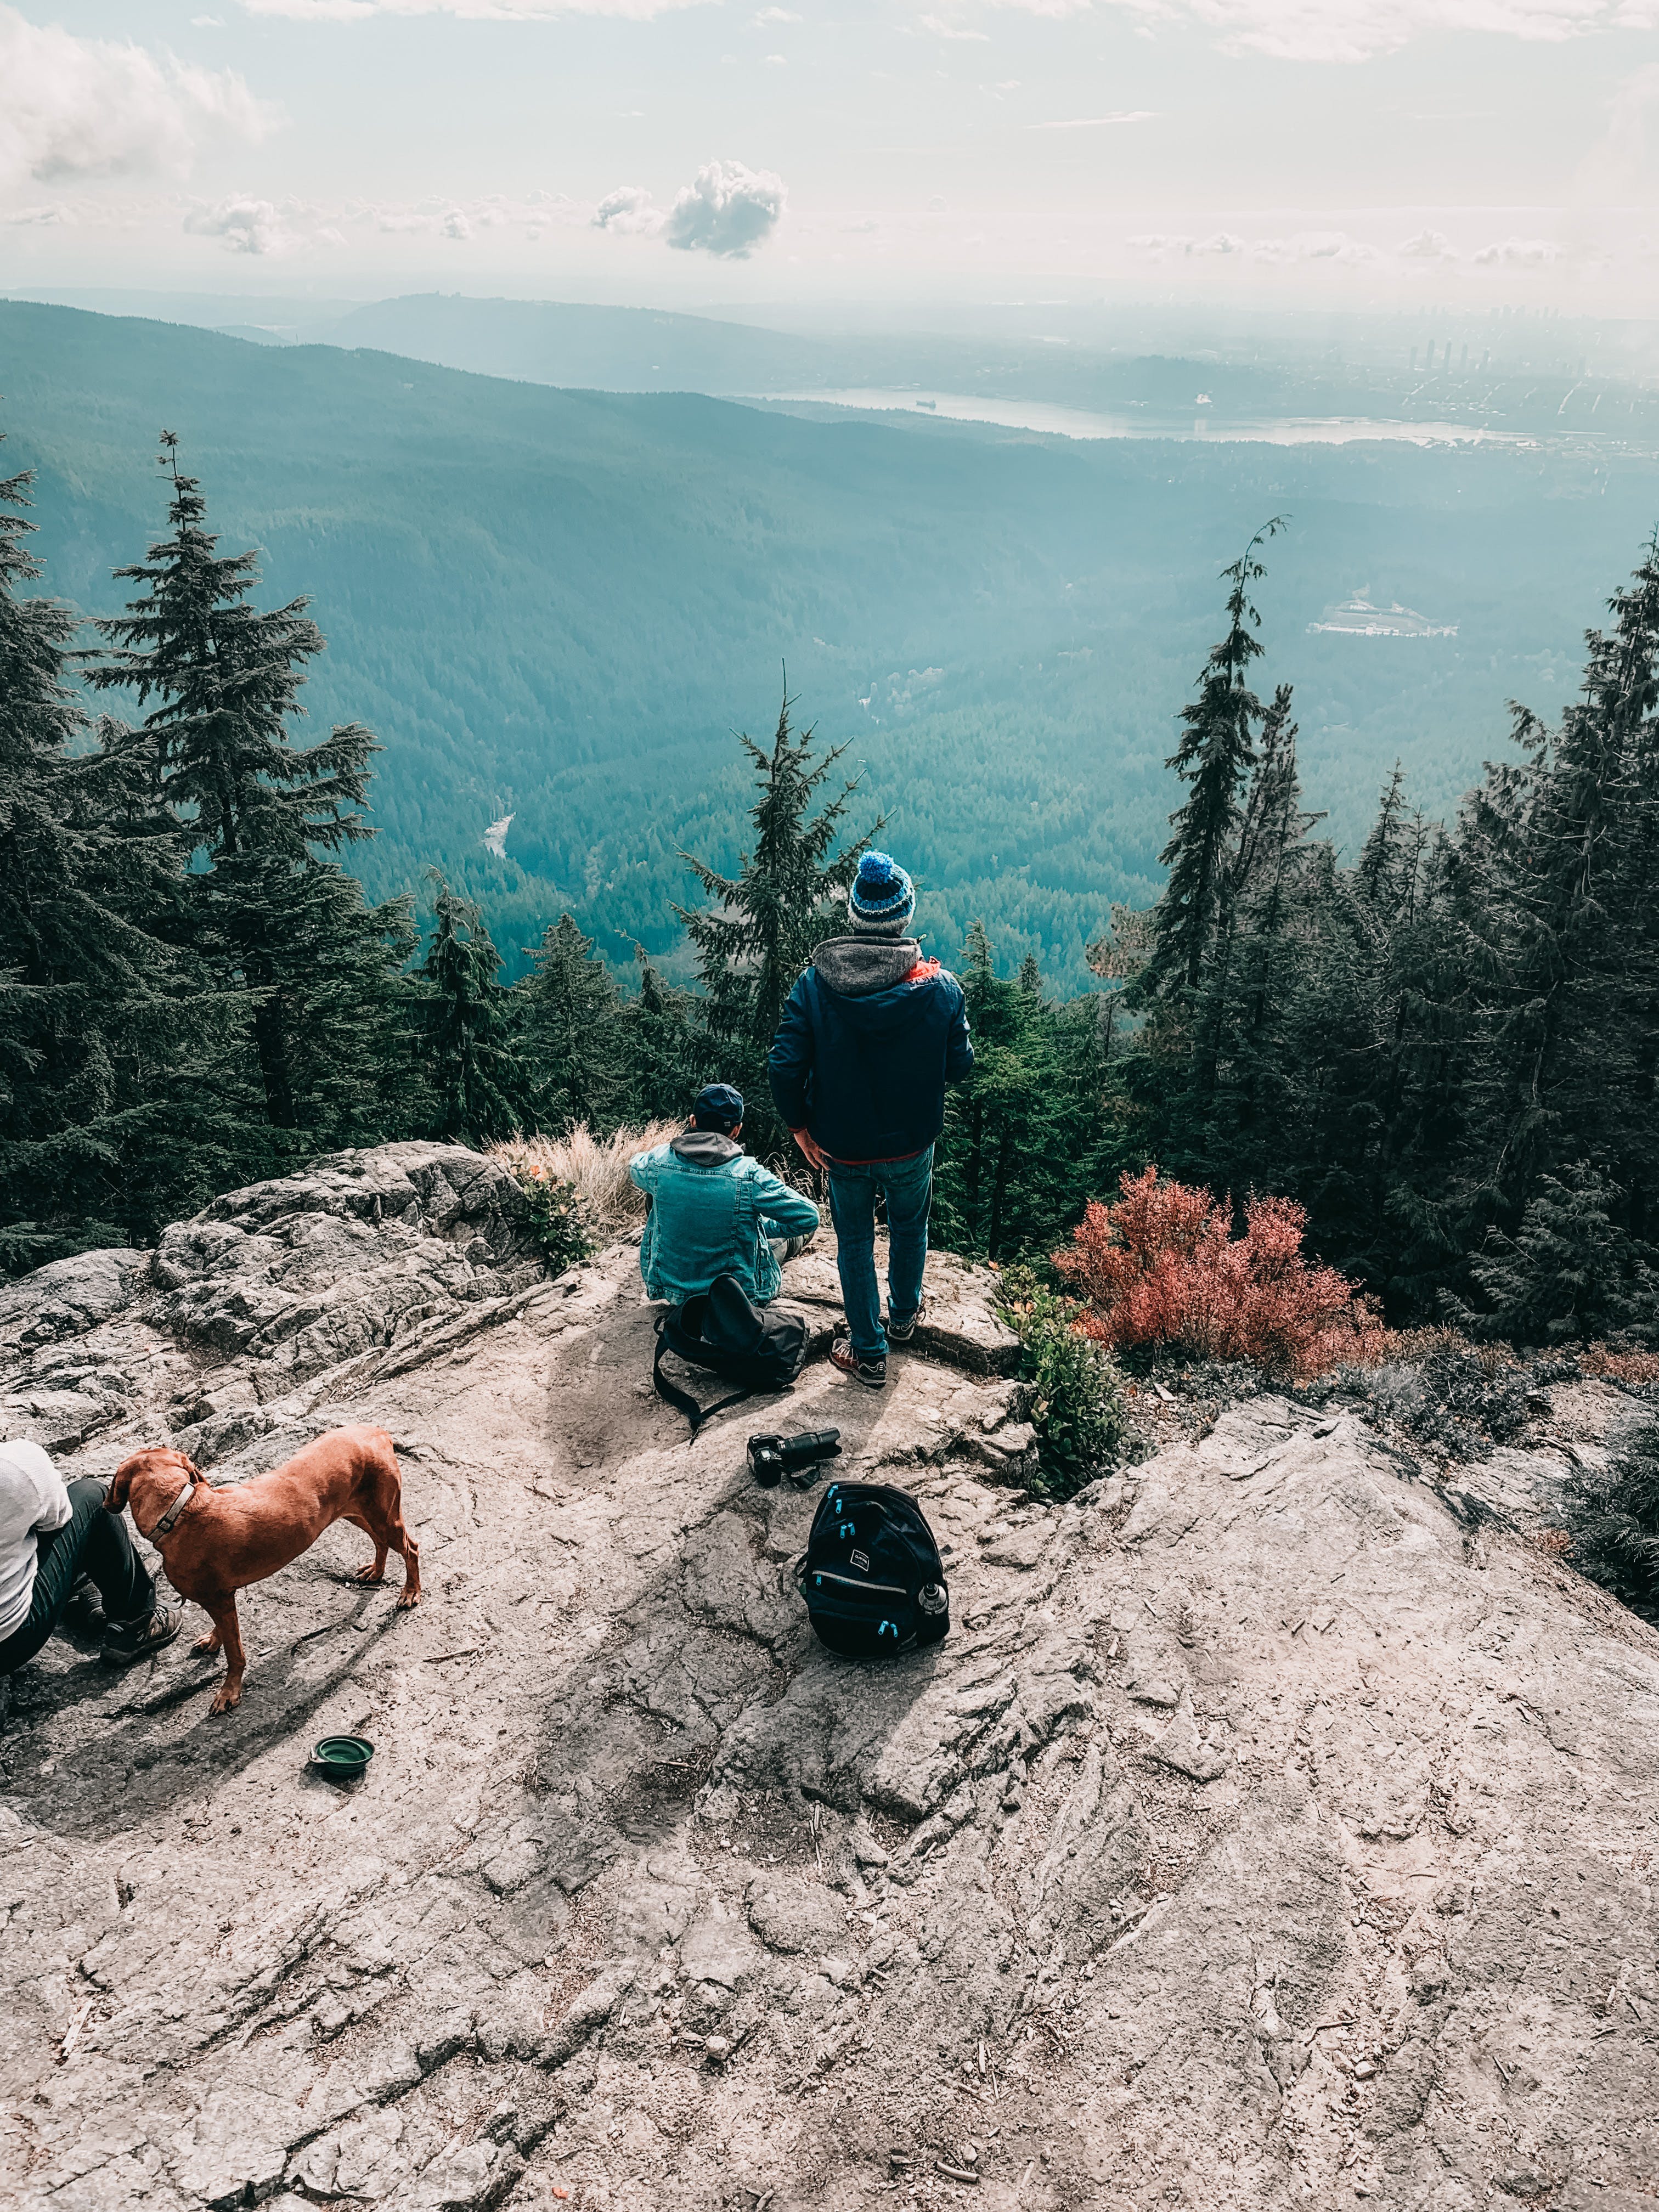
<point x="1276" y="1826"/>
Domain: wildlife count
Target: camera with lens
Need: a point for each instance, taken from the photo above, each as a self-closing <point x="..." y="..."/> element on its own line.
<point x="770" y="1458"/>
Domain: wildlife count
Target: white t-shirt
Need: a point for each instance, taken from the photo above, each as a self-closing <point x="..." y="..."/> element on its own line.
<point x="33" y="1501"/>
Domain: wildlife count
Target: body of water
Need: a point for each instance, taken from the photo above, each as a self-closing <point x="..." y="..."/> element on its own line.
<point x="1078" y="423"/>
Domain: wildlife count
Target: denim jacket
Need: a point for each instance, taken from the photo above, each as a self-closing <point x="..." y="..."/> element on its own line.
<point x="712" y="1210"/>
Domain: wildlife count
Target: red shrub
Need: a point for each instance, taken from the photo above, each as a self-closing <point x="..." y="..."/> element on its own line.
<point x="1162" y="1267"/>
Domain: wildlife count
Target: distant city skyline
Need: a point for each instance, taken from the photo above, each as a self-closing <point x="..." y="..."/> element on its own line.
<point x="1353" y="153"/>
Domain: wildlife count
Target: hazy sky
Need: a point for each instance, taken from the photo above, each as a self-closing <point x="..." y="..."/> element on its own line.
<point x="1343" y="151"/>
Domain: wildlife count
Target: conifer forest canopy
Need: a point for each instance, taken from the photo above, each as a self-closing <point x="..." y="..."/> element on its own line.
<point x="1227" y="893"/>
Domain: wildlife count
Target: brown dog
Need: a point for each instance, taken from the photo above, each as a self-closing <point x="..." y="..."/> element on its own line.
<point x="215" y="1543"/>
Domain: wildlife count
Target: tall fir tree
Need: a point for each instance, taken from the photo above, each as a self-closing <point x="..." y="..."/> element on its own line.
<point x="478" y="1086"/>
<point x="757" y="933"/>
<point x="1215" y="755"/>
<point x="658" y="1053"/>
<point x="572" y="1031"/>
<point x="315" y="971"/>
<point x="93" y="1001"/>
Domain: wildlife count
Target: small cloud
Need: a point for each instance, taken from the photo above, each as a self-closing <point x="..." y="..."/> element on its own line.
<point x="207" y="22"/>
<point x="727" y="211"/>
<point x="936" y="204"/>
<point x="1426" y="245"/>
<point x="852" y="229"/>
<point x="1099" y="122"/>
<point x="777" y="61"/>
<point x="768" y="15"/>
<point x="456" y="226"/>
<point x="628" y="210"/>
<point x="54" y="211"/>
<point x="1221" y="242"/>
<point x="246" y="225"/>
<point x="629" y="114"/>
<point x="1517" y="253"/>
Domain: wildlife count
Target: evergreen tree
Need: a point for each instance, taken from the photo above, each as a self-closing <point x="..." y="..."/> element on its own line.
<point x="757" y="934"/>
<point x="657" y="1051"/>
<point x="1569" y="1274"/>
<point x="477" y="1082"/>
<point x="1564" y="850"/>
<point x="294" y="944"/>
<point x="572" y="1030"/>
<point x="1215" y="755"/>
<point x="92" y="997"/>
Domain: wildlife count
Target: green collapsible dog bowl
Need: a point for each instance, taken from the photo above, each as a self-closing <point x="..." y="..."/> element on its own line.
<point x="342" y="1758"/>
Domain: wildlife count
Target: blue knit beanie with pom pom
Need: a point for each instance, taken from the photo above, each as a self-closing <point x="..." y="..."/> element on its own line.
<point x="883" y="898"/>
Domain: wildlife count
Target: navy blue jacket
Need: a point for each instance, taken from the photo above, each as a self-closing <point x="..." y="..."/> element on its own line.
<point x="869" y="1036"/>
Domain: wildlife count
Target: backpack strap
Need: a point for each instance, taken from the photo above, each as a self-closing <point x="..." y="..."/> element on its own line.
<point x="682" y="1400"/>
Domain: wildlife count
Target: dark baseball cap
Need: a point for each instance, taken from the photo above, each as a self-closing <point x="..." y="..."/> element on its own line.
<point x="718" y="1105"/>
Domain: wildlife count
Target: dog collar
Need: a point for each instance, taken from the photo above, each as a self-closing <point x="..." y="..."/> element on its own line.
<point x="164" y="1527"/>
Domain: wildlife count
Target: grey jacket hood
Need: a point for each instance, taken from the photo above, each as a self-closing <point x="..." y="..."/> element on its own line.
<point x="705" y="1148"/>
<point x="858" y="967"/>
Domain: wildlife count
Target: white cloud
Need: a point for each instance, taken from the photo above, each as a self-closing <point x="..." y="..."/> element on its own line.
<point x="629" y="210"/>
<point x="1518" y="254"/>
<point x="774" y="16"/>
<point x="778" y="61"/>
<point x="207" y="22"/>
<point x="1099" y="122"/>
<point x="728" y="210"/>
<point x="456" y="225"/>
<point x="247" y="225"/>
<point x="77" y="107"/>
<point x="1354" y="30"/>
<point x="1426" y="245"/>
<point x="942" y="28"/>
<point x="1219" y="241"/>
<point x="51" y="211"/>
<point x="473" y="11"/>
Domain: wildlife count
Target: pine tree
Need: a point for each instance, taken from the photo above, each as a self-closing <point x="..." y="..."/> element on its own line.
<point x="757" y="934"/>
<point x="572" y="1030"/>
<point x="1569" y="1274"/>
<point x="1564" y="848"/>
<point x="1215" y="755"/>
<point x="294" y="945"/>
<point x="476" y="1080"/>
<point x="657" y="1054"/>
<point x="91" y="995"/>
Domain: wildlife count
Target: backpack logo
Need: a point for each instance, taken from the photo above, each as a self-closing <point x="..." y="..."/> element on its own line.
<point x="860" y="1560"/>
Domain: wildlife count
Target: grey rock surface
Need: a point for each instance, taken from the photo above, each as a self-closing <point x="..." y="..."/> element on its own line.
<point x="646" y="1898"/>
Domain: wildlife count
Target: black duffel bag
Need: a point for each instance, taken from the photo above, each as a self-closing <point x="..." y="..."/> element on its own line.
<point x="757" y="1348"/>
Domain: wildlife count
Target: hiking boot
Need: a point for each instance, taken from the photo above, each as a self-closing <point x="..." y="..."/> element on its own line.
<point x="136" y="1639"/>
<point x="901" y="1327"/>
<point x="84" y="1613"/>
<point x="872" y="1373"/>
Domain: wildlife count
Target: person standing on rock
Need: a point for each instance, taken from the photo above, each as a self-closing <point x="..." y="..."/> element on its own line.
<point x="714" y="1211"/>
<point x="869" y="1036"/>
<point x="60" y="1553"/>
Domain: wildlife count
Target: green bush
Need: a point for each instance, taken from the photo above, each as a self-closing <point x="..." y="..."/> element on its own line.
<point x="1076" y="1389"/>
<point x="556" y="1216"/>
<point x="1612" y="1519"/>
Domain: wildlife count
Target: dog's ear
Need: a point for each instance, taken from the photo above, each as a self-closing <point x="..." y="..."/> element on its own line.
<point x="118" y="1489"/>
<point x="189" y="1466"/>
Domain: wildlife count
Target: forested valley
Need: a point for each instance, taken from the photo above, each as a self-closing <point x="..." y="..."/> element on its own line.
<point x="1444" y="1051"/>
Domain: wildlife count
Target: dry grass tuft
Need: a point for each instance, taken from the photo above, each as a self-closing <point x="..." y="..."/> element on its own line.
<point x="596" y="1166"/>
<point x="1620" y="1366"/>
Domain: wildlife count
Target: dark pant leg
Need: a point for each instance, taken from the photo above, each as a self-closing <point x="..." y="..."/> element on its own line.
<point x="92" y="1542"/>
<point x="909" y="1185"/>
<point x="852" y="1210"/>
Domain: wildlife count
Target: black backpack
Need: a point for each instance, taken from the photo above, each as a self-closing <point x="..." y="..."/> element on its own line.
<point x="871" y="1574"/>
<point x="757" y="1348"/>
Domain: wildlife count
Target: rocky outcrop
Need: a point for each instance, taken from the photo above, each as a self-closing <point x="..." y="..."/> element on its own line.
<point x="1272" y="1828"/>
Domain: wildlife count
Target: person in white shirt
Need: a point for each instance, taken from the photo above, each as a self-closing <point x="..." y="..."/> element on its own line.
<point x="52" y="1534"/>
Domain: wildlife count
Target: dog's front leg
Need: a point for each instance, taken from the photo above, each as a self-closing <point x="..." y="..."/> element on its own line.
<point x="227" y="1637"/>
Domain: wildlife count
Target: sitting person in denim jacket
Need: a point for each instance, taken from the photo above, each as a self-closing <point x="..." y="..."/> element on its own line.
<point x="714" y="1211"/>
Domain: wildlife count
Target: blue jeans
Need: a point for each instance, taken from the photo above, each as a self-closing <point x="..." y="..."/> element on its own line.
<point x="92" y="1542"/>
<point x="908" y="1187"/>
